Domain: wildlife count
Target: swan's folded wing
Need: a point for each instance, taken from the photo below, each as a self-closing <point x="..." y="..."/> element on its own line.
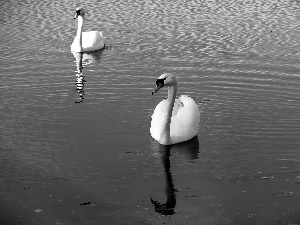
<point x="184" y="125"/>
<point x="92" y="40"/>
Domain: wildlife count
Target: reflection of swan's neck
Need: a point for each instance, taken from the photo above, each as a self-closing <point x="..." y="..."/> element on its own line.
<point x="165" y="133"/>
<point x="78" y="56"/>
<point x="169" y="207"/>
<point x="170" y="190"/>
<point x="79" y="29"/>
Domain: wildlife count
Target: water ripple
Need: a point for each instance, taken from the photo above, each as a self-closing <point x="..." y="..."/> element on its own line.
<point x="241" y="55"/>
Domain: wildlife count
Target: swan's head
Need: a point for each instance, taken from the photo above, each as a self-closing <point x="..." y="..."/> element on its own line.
<point x="166" y="79"/>
<point x="79" y="12"/>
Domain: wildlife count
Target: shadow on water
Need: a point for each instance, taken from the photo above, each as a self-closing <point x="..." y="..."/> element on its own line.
<point x="87" y="58"/>
<point x="189" y="150"/>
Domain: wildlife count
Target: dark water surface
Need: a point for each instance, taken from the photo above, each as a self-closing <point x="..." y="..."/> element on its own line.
<point x="78" y="147"/>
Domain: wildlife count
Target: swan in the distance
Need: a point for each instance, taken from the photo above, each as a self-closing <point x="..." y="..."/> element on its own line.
<point x="174" y="121"/>
<point x="86" y="41"/>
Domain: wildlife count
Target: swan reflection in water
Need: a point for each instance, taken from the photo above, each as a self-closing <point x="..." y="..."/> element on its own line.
<point x="189" y="150"/>
<point x="85" y="58"/>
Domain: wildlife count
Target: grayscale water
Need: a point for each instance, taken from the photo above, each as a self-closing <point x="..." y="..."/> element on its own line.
<point x="86" y="139"/>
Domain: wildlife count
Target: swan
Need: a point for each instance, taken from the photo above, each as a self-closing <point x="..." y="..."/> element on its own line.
<point x="86" y="41"/>
<point x="174" y="121"/>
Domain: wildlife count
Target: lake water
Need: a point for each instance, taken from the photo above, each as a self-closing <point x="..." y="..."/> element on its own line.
<point x="79" y="146"/>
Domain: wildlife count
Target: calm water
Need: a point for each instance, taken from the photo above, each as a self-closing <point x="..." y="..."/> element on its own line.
<point x="238" y="59"/>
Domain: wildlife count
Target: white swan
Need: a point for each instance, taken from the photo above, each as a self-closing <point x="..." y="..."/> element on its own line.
<point x="86" y="41"/>
<point x="174" y="121"/>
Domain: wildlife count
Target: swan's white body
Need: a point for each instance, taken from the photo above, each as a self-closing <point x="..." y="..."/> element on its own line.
<point x="174" y="121"/>
<point x="86" y="41"/>
<point x="91" y="41"/>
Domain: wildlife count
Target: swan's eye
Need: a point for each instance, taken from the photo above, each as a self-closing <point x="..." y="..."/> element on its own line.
<point x="160" y="81"/>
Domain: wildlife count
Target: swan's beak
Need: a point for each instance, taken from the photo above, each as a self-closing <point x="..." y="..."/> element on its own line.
<point x="77" y="13"/>
<point x="159" y="85"/>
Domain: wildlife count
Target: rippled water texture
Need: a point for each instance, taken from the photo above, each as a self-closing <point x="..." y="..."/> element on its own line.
<point x="82" y="121"/>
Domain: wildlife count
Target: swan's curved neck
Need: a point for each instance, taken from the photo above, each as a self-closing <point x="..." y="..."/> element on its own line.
<point x="79" y="30"/>
<point x="166" y="121"/>
<point x="80" y="25"/>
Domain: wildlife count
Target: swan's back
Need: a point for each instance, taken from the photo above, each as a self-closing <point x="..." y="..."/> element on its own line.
<point x="92" y="41"/>
<point x="184" y="121"/>
<point x="184" y="125"/>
